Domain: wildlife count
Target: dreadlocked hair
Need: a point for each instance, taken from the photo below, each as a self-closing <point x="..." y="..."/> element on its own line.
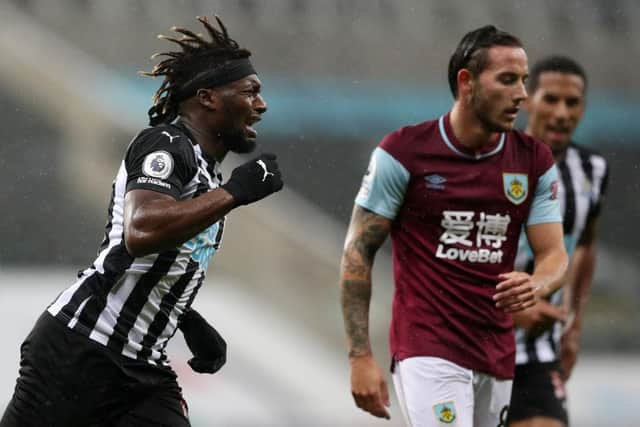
<point x="196" y="56"/>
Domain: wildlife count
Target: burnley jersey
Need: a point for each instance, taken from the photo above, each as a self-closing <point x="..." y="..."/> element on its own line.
<point x="456" y="221"/>
<point x="132" y="304"/>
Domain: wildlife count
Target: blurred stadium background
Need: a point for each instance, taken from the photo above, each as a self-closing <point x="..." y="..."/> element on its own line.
<point x="337" y="75"/>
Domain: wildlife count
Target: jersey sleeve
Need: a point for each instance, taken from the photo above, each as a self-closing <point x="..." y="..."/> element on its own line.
<point x="384" y="185"/>
<point x="160" y="160"/>
<point x="545" y="206"/>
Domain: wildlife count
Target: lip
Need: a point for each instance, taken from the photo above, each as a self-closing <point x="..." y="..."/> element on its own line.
<point x="512" y="113"/>
<point x="249" y="130"/>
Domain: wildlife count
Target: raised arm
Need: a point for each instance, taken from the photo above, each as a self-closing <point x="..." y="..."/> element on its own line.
<point x="367" y="231"/>
<point x="154" y="221"/>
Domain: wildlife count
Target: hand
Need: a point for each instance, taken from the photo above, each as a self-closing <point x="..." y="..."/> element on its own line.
<point x="515" y="292"/>
<point x="206" y="344"/>
<point x="368" y="387"/>
<point x="569" y="346"/>
<point x="539" y="318"/>
<point x="254" y="180"/>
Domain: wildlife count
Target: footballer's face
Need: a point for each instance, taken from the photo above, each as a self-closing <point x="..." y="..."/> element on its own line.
<point x="241" y="105"/>
<point x="555" y="108"/>
<point x="498" y="92"/>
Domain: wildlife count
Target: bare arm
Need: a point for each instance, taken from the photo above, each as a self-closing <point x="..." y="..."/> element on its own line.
<point x="577" y="294"/>
<point x="366" y="234"/>
<point x="518" y="290"/>
<point x="367" y="231"/>
<point x="550" y="257"/>
<point x="154" y="221"/>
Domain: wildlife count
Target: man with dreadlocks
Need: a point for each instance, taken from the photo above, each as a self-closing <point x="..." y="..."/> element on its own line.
<point x="96" y="356"/>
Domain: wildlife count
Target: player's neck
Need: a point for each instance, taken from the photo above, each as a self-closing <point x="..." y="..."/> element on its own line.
<point x="469" y="131"/>
<point x="208" y="140"/>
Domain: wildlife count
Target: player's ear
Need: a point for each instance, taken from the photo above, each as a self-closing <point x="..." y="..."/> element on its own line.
<point x="465" y="82"/>
<point x="208" y="98"/>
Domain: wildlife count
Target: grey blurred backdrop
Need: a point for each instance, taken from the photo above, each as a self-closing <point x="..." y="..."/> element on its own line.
<point x="337" y="75"/>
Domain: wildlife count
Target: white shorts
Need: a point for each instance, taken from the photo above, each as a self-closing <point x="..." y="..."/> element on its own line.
<point x="434" y="392"/>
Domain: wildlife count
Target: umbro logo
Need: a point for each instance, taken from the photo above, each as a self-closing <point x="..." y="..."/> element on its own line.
<point x="435" y="181"/>
<point x="171" y="138"/>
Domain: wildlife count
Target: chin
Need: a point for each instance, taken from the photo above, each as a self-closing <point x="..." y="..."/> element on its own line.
<point x="247" y="146"/>
<point x="239" y="142"/>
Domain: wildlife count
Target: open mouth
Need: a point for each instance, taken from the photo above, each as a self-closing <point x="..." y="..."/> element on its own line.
<point x="512" y="112"/>
<point x="249" y="130"/>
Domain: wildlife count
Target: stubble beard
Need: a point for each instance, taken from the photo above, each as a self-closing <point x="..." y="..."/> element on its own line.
<point x="236" y="141"/>
<point x="482" y="108"/>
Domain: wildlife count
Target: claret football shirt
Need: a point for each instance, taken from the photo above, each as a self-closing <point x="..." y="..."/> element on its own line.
<point x="456" y="221"/>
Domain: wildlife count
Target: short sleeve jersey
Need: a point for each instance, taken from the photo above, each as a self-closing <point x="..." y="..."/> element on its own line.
<point x="456" y="221"/>
<point x="132" y="304"/>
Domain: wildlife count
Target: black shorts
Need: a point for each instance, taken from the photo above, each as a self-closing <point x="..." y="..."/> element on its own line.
<point x="67" y="380"/>
<point x="538" y="391"/>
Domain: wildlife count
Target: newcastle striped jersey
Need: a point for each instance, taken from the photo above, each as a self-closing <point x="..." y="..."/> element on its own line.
<point x="582" y="185"/>
<point x="132" y="304"/>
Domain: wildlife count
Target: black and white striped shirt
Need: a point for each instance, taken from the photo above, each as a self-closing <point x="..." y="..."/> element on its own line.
<point x="583" y="181"/>
<point x="132" y="304"/>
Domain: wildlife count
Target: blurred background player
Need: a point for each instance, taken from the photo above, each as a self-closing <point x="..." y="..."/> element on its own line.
<point x="546" y="353"/>
<point x="96" y="356"/>
<point x="454" y="193"/>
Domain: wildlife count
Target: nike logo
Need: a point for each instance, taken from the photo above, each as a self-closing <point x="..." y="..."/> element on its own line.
<point x="266" y="171"/>
<point x="164" y="132"/>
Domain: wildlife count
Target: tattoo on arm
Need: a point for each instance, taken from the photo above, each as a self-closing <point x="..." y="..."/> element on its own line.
<point x="366" y="234"/>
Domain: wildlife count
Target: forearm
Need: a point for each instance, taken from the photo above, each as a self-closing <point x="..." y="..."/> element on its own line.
<point x="367" y="232"/>
<point x="163" y="224"/>
<point x="549" y="272"/>
<point x="355" y="283"/>
<point x="583" y="270"/>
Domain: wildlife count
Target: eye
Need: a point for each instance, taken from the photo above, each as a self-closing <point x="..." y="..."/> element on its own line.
<point x="508" y="79"/>
<point x="550" y="99"/>
<point x="573" y="102"/>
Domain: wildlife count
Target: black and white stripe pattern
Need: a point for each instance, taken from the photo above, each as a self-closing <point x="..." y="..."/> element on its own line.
<point x="583" y="179"/>
<point x="132" y="305"/>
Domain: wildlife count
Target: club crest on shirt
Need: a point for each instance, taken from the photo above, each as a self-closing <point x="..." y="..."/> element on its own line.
<point x="158" y="164"/>
<point x="445" y="412"/>
<point x="516" y="187"/>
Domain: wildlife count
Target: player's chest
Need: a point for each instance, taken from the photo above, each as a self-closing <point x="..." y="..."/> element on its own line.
<point x="468" y="189"/>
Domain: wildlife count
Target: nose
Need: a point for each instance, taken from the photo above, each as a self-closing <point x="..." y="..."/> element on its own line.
<point x="259" y="104"/>
<point x="521" y="94"/>
<point x="561" y="111"/>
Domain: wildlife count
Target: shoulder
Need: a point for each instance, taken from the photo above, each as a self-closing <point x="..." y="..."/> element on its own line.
<point x="167" y="138"/>
<point x="524" y="141"/>
<point x="528" y="147"/>
<point x="403" y="142"/>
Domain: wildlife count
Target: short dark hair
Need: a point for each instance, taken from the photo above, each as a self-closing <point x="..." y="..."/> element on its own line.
<point x="179" y="67"/>
<point x="471" y="52"/>
<point x="554" y="63"/>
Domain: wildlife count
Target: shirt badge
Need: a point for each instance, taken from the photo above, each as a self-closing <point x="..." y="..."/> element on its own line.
<point x="516" y="187"/>
<point x="158" y="164"/>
